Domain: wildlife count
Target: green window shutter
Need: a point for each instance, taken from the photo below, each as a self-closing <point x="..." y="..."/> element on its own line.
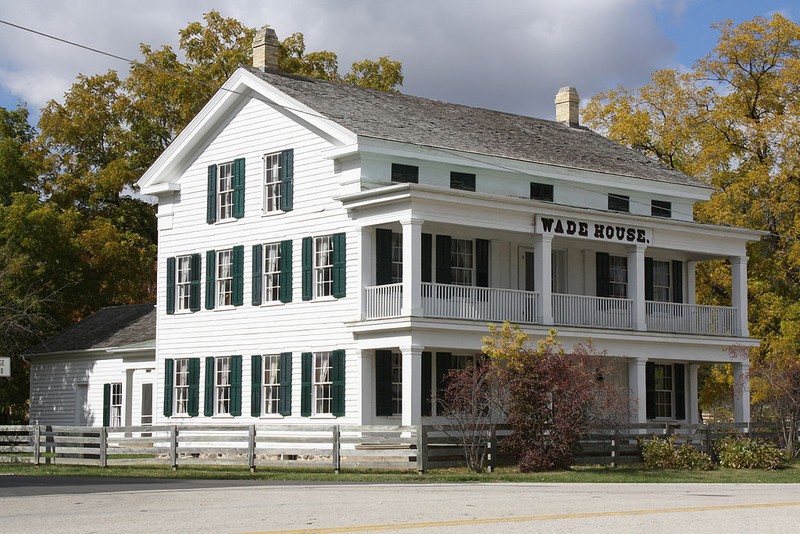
<point x="337" y="375"/>
<point x="426" y="256"/>
<point x="106" y="404"/>
<point x="306" y="362"/>
<point x="650" y="389"/>
<point x="444" y="362"/>
<point x="308" y="259"/>
<point x="211" y="278"/>
<point x="258" y="260"/>
<point x="648" y="279"/>
<point x="208" y="405"/>
<point x="383" y="382"/>
<point x="286" y="271"/>
<point x="193" y="408"/>
<point x="238" y="188"/>
<point x="443" y="259"/>
<point x="680" y="390"/>
<point x="602" y="274"/>
<point x="287" y="179"/>
<point x="238" y="275"/>
<point x="383" y="256"/>
<point x="236" y="386"/>
<point x="339" y="265"/>
<point x="169" y="375"/>
<point x="194" y="288"/>
<point x="427" y="393"/>
<point x="211" y="207"/>
<point x="255" y="385"/>
<point x="677" y="281"/>
<point x="482" y="262"/>
<point x="170" y="286"/>
<point x="285" y="395"/>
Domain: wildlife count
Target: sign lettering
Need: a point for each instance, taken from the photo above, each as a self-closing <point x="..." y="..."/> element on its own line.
<point x="617" y="233"/>
<point x="5" y="366"/>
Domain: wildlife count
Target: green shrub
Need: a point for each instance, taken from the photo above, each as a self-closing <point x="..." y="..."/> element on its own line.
<point x="746" y="453"/>
<point x="660" y="453"/>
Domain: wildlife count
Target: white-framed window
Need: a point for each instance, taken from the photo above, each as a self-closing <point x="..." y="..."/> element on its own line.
<point x="618" y="276"/>
<point x="225" y="191"/>
<point x="323" y="266"/>
<point x="222" y="385"/>
<point x="272" y="183"/>
<point x="397" y="258"/>
<point x="272" y="272"/>
<point x="397" y="383"/>
<point x="272" y="383"/>
<point x="181" y="387"/>
<point x="664" y="390"/>
<point x="225" y="277"/>
<point x="662" y="281"/>
<point x="322" y="387"/>
<point x="183" y="282"/>
<point x="116" y="404"/>
<point x="462" y="262"/>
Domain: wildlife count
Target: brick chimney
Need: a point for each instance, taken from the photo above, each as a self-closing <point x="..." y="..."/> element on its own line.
<point x="567" y="106"/>
<point x="265" y="50"/>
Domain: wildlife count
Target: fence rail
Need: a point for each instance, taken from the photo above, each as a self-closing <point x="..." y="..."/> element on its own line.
<point x="334" y="446"/>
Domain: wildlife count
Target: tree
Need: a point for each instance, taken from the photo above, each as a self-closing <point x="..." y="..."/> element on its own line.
<point x="733" y="122"/>
<point x="475" y="401"/>
<point x="554" y="396"/>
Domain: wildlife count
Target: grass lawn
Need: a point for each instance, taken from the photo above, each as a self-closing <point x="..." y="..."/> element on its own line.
<point x="790" y="474"/>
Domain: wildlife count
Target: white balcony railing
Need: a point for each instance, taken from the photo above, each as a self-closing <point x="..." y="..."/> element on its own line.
<point x="690" y="319"/>
<point x="602" y="312"/>
<point x="484" y="304"/>
<point x="383" y="302"/>
<point x="479" y="303"/>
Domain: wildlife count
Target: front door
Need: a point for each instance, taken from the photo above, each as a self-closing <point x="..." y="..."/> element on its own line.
<point x="147" y="404"/>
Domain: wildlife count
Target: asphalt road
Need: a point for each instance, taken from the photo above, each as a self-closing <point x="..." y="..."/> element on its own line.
<point x="59" y="504"/>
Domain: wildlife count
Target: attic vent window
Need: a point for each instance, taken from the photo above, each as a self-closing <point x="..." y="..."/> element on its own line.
<point x="661" y="208"/>
<point x="619" y="203"/>
<point x="542" y="192"/>
<point x="462" y="180"/>
<point x="405" y="174"/>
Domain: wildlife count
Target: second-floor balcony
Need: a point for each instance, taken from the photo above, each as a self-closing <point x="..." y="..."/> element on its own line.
<point x="449" y="301"/>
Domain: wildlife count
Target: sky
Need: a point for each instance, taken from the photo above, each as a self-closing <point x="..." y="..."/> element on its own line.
<point x="508" y="55"/>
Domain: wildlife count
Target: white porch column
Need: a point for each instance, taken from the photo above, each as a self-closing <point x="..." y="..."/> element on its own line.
<point x="741" y="392"/>
<point x="638" y="387"/>
<point x="412" y="269"/>
<point x="367" y="407"/>
<point x="739" y="293"/>
<point x="367" y="272"/>
<point x="636" y="285"/>
<point x="543" y="276"/>
<point x="127" y="399"/>
<point x="691" y="282"/>
<point x="693" y="409"/>
<point x="412" y="385"/>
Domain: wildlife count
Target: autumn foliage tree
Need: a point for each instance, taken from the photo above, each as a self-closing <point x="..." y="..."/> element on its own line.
<point x="733" y="121"/>
<point x="549" y="396"/>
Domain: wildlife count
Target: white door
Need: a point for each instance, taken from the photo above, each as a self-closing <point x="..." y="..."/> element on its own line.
<point x="147" y="404"/>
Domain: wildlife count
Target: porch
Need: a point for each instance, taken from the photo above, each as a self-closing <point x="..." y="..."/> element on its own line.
<point x="483" y="304"/>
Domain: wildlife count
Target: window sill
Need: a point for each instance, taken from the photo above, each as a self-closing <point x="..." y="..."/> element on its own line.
<point x="180" y="416"/>
<point x="272" y="213"/>
<point x="224" y="308"/>
<point x="271" y="303"/>
<point x="323" y="416"/>
<point x="222" y="416"/>
<point x="229" y="220"/>
<point x="271" y="416"/>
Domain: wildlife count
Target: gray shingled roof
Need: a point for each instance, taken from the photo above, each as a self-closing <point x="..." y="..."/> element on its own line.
<point x="424" y="122"/>
<point x="111" y="327"/>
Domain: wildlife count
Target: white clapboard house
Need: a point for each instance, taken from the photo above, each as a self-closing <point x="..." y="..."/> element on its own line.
<point x="329" y="252"/>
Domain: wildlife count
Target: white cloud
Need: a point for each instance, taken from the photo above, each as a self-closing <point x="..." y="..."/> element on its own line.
<point x="511" y="55"/>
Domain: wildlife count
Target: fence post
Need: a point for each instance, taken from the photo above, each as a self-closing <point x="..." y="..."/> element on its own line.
<point x="422" y="449"/>
<point x="103" y="446"/>
<point x="491" y="446"/>
<point x="37" y="436"/>
<point x="668" y="430"/>
<point x="709" y="448"/>
<point x="615" y="448"/>
<point x="173" y="446"/>
<point x="251" y="448"/>
<point x="337" y="458"/>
